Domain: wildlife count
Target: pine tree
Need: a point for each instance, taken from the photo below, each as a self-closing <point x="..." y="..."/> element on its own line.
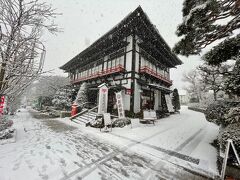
<point x="62" y="98"/>
<point x="82" y="95"/>
<point x="227" y="49"/>
<point x="232" y="83"/>
<point x="176" y="100"/>
<point x="201" y="27"/>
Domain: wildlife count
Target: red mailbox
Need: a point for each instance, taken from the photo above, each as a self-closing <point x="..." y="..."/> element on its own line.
<point x="74" y="109"/>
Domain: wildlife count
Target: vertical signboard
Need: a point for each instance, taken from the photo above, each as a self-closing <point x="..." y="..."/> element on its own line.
<point x="119" y="99"/>
<point x="103" y="99"/>
<point x="2" y="101"/>
<point x="169" y="103"/>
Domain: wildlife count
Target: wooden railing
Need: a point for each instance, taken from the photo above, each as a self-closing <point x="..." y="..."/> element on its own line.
<point x="118" y="68"/>
<point x="146" y="69"/>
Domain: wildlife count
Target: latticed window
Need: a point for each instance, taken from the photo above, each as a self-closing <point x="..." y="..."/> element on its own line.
<point x="109" y="64"/>
<point x="118" y="61"/>
<point x="113" y="62"/>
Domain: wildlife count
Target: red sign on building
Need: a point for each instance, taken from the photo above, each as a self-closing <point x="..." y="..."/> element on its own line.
<point x="2" y="101"/>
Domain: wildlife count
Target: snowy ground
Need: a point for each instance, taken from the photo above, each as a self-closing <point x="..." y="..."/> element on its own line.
<point x="176" y="148"/>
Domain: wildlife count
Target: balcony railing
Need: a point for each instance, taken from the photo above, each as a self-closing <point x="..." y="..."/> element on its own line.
<point x="153" y="73"/>
<point x="118" y="68"/>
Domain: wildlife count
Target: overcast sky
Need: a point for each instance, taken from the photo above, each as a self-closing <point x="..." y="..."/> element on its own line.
<point x="84" y="21"/>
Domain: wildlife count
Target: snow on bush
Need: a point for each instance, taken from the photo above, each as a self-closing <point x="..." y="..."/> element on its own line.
<point x="233" y="116"/>
<point x="5" y="131"/>
<point x="81" y="98"/>
<point x="217" y="112"/>
<point x="232" y="131"/>
<point x="62" y="98"/>
<point x="98" y="123"/>
<point x="121" y="122"/>
<point x="6" y="134"/>
<point x="226" y="114"/>
<point x="4" y="124"/>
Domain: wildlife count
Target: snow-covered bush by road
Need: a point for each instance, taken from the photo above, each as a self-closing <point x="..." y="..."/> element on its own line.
<point x="233" y="115"/>
<point x="4" y="124"/>
<point x="217" y="112"/>
<point x="227" y="115"/>
<point x="5" y="131"/>
<point x="6" y="134"/>
<point x="232" y="131"/>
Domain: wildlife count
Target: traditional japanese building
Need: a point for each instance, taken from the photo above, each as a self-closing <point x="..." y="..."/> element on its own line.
<point x="132" y="55"/>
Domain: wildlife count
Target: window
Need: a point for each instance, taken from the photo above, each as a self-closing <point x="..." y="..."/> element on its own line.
<point x="117" y="61"/>
<point x="113" y="62"/>
<point x="100" y="67"/>
<point x="121" y="61"/>
<point x="109" y="64"/>
<point x="105" y="66"/>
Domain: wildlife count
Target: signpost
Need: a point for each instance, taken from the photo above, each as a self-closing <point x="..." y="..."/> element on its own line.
<point x="229" y="144"/>
<point x="121" y="113"/>
<point x="103" y="99"/>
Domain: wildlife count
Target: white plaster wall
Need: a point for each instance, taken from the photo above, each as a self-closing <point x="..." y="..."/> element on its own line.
<point x="137" y="97"/>
<point x="129" y="46"/>
<point x="126" y="97"/>
<point x="129" y="54"/>
<point x="156" y="96"/>
<point x="129" y="61"/>
<point x="137" y="62"/>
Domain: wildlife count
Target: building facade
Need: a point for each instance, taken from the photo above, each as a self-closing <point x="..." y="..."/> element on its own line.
<point x="132" y="56"/>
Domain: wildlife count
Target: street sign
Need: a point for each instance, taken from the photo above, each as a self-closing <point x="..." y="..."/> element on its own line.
<point x="229" y="144"/>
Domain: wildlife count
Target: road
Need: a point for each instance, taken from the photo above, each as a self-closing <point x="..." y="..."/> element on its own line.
<point x="49" y="149"/>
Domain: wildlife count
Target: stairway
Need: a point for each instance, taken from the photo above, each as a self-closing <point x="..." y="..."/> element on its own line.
<point x="85" y="116"/>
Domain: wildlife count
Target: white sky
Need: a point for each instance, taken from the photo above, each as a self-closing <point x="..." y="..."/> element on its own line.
<point x="84" y="21"/>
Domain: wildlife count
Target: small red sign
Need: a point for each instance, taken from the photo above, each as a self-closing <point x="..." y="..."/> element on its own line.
<point x="104" y="90"/>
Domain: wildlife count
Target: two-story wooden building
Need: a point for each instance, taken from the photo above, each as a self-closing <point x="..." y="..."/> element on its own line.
<point x="132" y="55"/>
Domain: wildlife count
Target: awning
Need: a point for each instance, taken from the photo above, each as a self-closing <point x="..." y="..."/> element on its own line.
<point x="117" y="88"/>
<point x="160" y="87"/>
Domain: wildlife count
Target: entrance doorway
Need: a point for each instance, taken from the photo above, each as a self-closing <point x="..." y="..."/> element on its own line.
<point x="147" y="99"/>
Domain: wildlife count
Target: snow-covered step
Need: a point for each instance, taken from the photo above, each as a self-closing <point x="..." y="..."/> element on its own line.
<point x="78" y="122"/>
<point x="85" y="118"/>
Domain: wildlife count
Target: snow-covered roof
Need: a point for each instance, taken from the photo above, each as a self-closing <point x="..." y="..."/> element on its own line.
<point x="136" y="21"/>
